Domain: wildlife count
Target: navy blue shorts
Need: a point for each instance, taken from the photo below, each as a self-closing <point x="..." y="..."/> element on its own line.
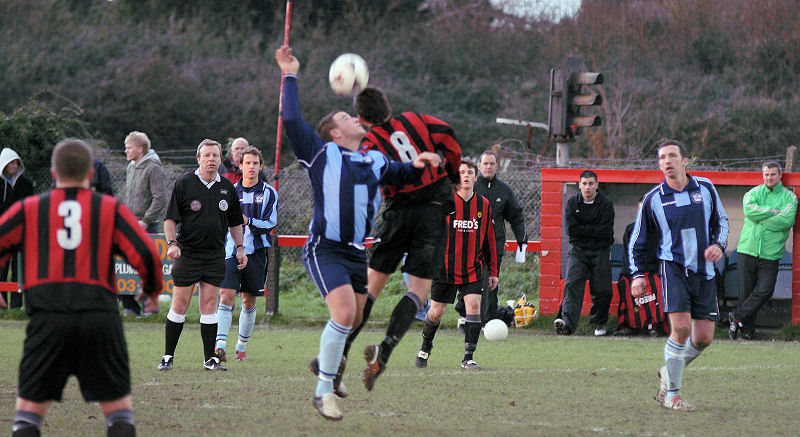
<point x="684" y="291"/>
<point x="331" y="264"/>
<point x="443" y="292"/>
<point x="251" y="278"/>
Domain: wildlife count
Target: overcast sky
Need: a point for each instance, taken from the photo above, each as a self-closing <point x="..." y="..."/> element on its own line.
<point x="557" y="9"/>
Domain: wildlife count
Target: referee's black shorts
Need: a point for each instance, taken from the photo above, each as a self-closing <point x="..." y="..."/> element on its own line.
<point x="189" y="270"/>
<point x="90" y="345"/>
<point x="416" y="230"/>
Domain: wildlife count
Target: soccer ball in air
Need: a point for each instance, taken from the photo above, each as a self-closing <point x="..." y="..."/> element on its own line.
<point x="348" y="75"/>
<point x="164" y="298"/>
<point x="495" y="330"/>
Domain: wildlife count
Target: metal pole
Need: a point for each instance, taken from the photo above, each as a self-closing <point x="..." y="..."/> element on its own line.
<point x="791" y="159"/>
<point x="287" y="27"/>
<point x="562" y="154"/>
<point x="273" y="271"/>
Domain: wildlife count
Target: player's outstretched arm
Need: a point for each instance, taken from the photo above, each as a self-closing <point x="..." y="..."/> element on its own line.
<point x="304" y="141"/>
<point x="425" y="159"/>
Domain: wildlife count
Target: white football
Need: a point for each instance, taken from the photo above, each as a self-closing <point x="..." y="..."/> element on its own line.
<point x="164" y="298"/>
<point x="348" y="75"/>
<point x="495" y="330"/>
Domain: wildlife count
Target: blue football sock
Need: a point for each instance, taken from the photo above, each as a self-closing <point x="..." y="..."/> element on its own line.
<point x="331" y="346"/>
<point x="247" y="319"/>
<point x="691" y="352"/>
<point x="674" y="357"/>
<point x="224" y="317"/>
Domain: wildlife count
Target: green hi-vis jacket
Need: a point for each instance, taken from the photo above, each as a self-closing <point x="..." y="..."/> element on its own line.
<point x="768" y="218"/>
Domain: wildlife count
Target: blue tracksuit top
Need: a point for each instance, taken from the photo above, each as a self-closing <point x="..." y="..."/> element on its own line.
<point x="346" y="184"/>
<point x="684" y="222"/>
<point x="260" y="204"/>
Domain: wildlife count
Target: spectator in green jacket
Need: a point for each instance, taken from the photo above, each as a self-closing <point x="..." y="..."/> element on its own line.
<point x="769" y="211"/>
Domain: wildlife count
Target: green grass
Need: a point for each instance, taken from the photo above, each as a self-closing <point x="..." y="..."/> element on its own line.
<point x="300" y="303"/>
<point x="534" y="384"/>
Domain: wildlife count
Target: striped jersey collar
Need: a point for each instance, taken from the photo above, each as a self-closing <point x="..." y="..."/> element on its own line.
<point x="692" y="185"/>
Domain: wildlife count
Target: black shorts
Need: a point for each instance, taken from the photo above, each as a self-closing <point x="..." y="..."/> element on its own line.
<point x="188" y="270"/>
<point x="416" y="230"/>
<point x="443" y="292"/>
<point x="90" y="345"/>
<point x="252" y="278"/>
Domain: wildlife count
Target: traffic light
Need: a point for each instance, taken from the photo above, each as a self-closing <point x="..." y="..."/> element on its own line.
<point x="579" y="96"/>
<point x="557" y="108"/>
<point x="569" y="92"/>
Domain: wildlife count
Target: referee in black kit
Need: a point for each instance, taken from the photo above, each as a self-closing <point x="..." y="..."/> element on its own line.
<point x="206" y="206"/>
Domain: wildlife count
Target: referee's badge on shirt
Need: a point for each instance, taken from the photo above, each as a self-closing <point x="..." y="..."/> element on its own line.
<point x="223" y="205"/>
<point x="195" y="205"/>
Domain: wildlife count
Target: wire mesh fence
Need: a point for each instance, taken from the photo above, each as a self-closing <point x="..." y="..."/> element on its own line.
<point x="520" y="169"/>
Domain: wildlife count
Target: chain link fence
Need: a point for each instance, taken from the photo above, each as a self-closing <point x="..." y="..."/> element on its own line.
<point x="521" y="170"/>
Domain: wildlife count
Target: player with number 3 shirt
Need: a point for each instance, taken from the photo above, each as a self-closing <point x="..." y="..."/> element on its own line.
<point x="67" y="238"/>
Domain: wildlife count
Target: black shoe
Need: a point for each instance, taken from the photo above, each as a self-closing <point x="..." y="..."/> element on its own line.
<point x="747" y="334"/>
<point x="733" y="328"/>
<point x="213" y="364"/>
<point x="561" y="327"/>
<point x="339" y="389"/>
<point x="422" y="359"/>
<point x="372" y="354"/>
<point x="166" y="363"/>
<point x="470" y="365"/>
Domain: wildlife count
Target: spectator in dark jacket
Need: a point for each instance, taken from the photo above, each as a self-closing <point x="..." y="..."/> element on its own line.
<point x="229" y="168"/>
<point x="15" y="187"/>
<point x="101" y="181"/>
<point x="590" y="227"/>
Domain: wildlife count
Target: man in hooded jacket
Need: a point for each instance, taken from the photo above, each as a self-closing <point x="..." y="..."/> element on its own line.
<point x="15" y="187"/>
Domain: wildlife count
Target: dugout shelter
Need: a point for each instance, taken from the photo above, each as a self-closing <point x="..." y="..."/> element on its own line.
<point x="625" y="187"/>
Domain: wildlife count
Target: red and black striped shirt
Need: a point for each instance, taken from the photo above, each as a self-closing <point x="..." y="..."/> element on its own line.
<point x="67" y="239"/>
<point x="470" y="246"/>
<point x="407" y="135"/>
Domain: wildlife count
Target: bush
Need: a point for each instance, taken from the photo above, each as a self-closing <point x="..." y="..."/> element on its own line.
<point x="34" y="129"/>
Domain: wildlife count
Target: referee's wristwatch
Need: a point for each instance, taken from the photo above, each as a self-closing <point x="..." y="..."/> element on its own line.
<point x="171" y="242"/>
<point x="238" y="246"/>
